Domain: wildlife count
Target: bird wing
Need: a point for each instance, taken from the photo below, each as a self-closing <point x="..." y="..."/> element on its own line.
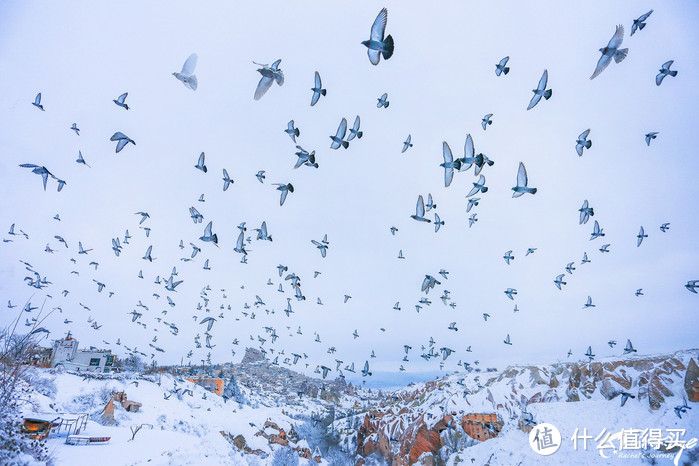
<point x="522" y="175"/>
<point x="374" y="56"/>
<point x="283" y="196"/>
<point x="190" y="64"/>
<point x="535" y="100"/>
<point x="448" y="176"/>
<point x="316" y="95"/>
<point x="239" y="242"/>
<point x="37" y="100"/>
<point x="469" y="151"/>
<point x="355" y="127"/>
<point x="584" y="135"/>
<point x="263" y="86"/>
<point x="617" y="38"/>
<point x="603" y="62"/>
<point x="446" y="153"/>
<point x="379" y="27"/>
<point x="118" y="136"/>
<point x="644" y="17"/>
<point x="200" y="162"/>
<point x="122" y="97"/>
<point x="543" y="82"/>
<point x="275" y="65"/>
<point x="420" y="207"/>
<point x="207" y="230"/>
<point x="342" y="129"/>
<point x="318" y="82"/>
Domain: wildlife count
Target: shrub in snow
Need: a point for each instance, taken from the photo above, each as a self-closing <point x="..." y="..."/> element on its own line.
<point x="285" y="457"/>
<point x="15" y="449"/>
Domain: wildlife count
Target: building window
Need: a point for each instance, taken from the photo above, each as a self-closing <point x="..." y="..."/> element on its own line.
<point x="110" y="361"/>
<point x="95" y="361"/>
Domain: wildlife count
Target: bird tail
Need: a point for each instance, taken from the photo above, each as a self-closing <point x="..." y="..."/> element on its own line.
<point x="484" y="189"/>
<point x="345" y="144"/>
<point x="291" y="188"/>
<point x="620" y="55"/>
<point x="360" y="134"/>
<point x="533" y="190"/>
<point x="388" y="51"/>
<point x="296" y="131"/>
<point x="323" y="91"/>
<point x="588" y="144"/>
<point x="215" y="238"/>
<point x="641" y="26"/>
<point x="204" y="169"/>
<point x="673" y="73"/>
<point x="547" y="94"/>
<point x="506" y="70"/>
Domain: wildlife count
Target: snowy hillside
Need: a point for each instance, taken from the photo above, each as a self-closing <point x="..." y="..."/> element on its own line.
<point x="472" y="417"/>
<point x="432" y="419"/>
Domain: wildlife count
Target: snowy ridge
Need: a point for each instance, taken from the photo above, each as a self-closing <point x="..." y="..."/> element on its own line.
<point x="501" y="407"/>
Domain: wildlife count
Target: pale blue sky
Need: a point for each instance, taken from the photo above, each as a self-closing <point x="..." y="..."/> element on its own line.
<point x="440" y="83"/>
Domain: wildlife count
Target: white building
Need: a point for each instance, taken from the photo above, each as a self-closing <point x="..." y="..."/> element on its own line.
<point x="65" y="352"/>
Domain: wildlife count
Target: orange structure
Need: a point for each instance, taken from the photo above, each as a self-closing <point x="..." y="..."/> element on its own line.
<point x="210" y="383"/>
<point x="481" y="426"/>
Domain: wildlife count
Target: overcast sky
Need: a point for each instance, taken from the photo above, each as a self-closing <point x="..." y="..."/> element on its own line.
<point x="440" y="83"/>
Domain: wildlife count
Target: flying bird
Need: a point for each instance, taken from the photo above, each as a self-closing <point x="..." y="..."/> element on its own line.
<point x="522" y="181"/>
<point x="354" y="131"/>
<point x="226" y="180"/>
<point x="650" y="136"/>
<point x="612" y="50"/>
<point x="478" y="186"/>
<point x="596" y="231"/>
<point x="449" y="164"/>
<point x="208" y="236"/>
<point x="37" y="102"/>
<point x="638" y="25"/>
<point x="75" y="128"/>
<point x="338" y="139"/>
<point x="292" y="131"/>
<point x="378" y="44"/>
<point x="582" y="142"/>
<point x="200" y="163"/>
<point x="639" y="238"/>
<point x="500" y="68"/>
<point x="420" y="211"/>
<point x="486" y="121"/>
<point x="187" y="76"/>
<point x="122" y="139"/>
<point x="691" y="286"/>
<point x="407" y="144"/>
<point x="585" y="212"/>
<point x="81" y="160"/>
<point x="285" y="189"/>
<point x="541" y="91"/>
<point x="40" y="170"/>
<point x="317" y="90"/>
<point x="120" y="101"/>
<point x="383" y="101"/>
<point x="559" y="281"/>
<point x="269" y="74"/>
<point x="664" y="71"/>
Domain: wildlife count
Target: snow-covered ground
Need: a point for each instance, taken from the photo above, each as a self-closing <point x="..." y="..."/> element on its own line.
<point x="184" y="429"/>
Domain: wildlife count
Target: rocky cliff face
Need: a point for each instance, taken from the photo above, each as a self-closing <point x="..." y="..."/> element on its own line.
<point x="432" y="420"/>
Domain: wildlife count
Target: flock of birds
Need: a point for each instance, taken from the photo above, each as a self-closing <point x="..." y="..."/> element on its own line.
<point x="379" y="45"/>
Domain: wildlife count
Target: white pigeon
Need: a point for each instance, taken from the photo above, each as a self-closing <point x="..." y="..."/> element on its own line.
<point x="187" y="76"/>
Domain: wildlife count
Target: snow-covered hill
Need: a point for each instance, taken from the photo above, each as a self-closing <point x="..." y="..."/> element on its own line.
<point x="469" y="417"/>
